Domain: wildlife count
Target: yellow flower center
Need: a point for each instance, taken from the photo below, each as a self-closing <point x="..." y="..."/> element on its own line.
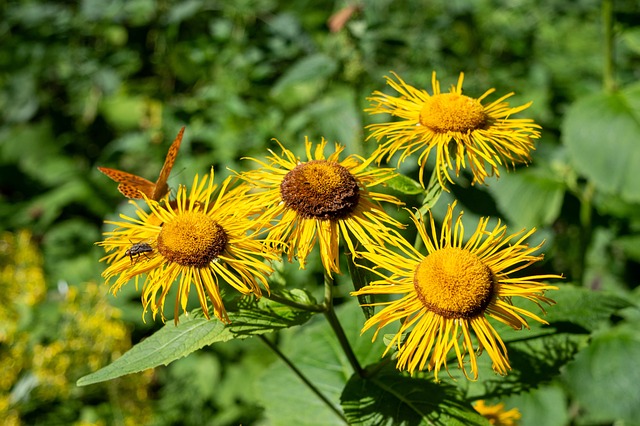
<point x="454" y="283"/>
<point x="192" y="239"/>
<point x="320" y="189"/>
<point x="450" y="112"/>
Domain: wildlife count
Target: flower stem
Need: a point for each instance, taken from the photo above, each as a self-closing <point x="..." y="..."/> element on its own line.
<point x="330" y="315"/>
<point x="431" y="195"/>
<point x="586" y="213"/>
<point x="302" y="377"/>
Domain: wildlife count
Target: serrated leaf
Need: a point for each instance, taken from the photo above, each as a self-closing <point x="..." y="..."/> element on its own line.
<point x="601" y="134"/>
<point x="604" y="376"/>
<point x="537" y="354"/>
<point x="393" y="398"/>
<point x="193" y="332"/>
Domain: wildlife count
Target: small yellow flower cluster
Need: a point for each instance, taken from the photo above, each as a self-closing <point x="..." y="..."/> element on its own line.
<point x="91" y="334"/>
<point x="23" y="285"/>
<point x="287" y="205"/>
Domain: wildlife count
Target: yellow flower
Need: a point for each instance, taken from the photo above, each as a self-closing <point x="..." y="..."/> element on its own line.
<point x="204" y="237"/>
<point x="497" y="415"/>
<point x="448" y="294"/>
<point x="323" y="200"/>
<point x="484" y="136"/>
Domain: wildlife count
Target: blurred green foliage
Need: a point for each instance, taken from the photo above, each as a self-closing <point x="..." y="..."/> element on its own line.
<point x="94" y="83"/>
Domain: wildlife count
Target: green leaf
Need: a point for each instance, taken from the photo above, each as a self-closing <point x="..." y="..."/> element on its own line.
<point x="336" y="114"/>
<point x="538" y="354"/>
<point x="359" y="280"/>
<point x="604" y="377"/>
<point x="304" y="78"/>
<point x="405" y="185"/>
<point x="545" y="406"/>
<point x="536" y="359"/>
<point x="124" y="111"/>
<point x="194" y="332"/>
<point x="630" y="245"/>
<point x="432" y="195"/>
<point x="529" y="197"/>
<point x="601" y="134"/>
<point x="586" y="309"/>
<point x="393" y="398"/>
<point x="315" y="350"/>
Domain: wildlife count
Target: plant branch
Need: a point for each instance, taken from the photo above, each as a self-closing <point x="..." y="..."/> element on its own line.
<point x="302" y="377"/>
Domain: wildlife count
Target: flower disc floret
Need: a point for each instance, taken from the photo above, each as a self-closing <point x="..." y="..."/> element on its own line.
<point x="450" y="112"/>
<point x="453" y="283"/>
<point x="320" y="189"/>
<point x="192" y="239"/>
<point x="321" y="200"/>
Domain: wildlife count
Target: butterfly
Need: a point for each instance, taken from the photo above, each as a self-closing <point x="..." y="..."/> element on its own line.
<point x="132" y="186"/>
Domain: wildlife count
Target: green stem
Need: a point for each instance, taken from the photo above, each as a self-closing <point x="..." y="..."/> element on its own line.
<point x="431" y="195"/>
<point x="330" y="315"/>
<point x="608" y="75"/>
<point x="586" y="213"/>
<point x="302" y="377"/>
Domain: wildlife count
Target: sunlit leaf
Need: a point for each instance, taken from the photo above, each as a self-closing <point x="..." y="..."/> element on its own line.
<point x="172" y="342"/>
<point x="601" y="134"/>
<point x="604" y="377"/>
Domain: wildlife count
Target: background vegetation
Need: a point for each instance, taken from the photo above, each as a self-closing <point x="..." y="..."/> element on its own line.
<point x="110" y="83"/>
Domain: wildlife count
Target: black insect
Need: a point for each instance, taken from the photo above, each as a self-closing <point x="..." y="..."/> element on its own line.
<point x="137" y="249"/>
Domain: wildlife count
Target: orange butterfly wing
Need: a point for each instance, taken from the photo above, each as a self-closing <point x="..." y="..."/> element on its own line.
<point x="131" y="186"/>
<point x="161" y="187"/>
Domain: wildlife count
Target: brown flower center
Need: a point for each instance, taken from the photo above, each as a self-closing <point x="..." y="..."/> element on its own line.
<point x="320" y="189"/>
<point x="454" y="283"/>
<point x="192" y="239"/>
<point x="450" y="112"/>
